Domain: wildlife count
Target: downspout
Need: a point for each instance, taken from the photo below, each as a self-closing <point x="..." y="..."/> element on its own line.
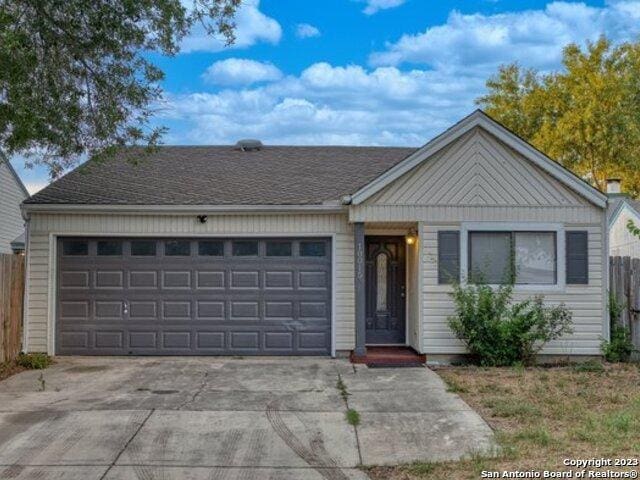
<point x="25" y="298"/>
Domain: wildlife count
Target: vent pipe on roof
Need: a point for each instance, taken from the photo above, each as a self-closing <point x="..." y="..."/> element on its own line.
<point x="613" y="186"/>
<point x="248" y="145"/>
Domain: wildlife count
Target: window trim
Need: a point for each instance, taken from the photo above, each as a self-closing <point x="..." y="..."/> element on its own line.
<point x="558" y="228"/>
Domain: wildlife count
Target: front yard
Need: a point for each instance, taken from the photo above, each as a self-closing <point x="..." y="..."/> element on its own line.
<point x="541" y="417"/>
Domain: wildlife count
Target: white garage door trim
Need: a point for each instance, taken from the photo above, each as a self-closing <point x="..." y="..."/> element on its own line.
<point x="53" y="260"/>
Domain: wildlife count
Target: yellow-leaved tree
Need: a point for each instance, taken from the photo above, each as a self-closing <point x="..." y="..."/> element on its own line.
<point x="585" y="116"/>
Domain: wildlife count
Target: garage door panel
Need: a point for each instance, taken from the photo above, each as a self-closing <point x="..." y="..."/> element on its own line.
<point x="173" y="279"/>
<point x="281" y="280"/>
<point x="109" y="279"/>
<point x="210" y="279"/>
<point x="143" y="340"/>
<point x="71" y="310"/>
<point x="245" y="279"/>
<point x="139" y="310"/>
<point x="210" y="304"/>
<point x="143" y="279"/>
<point x="74" y="279"/>
<point x="109" y="340"/>
<point x="109" y="310"/>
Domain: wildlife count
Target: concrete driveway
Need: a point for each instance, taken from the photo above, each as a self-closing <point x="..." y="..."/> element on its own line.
<point x="224" y="418"/>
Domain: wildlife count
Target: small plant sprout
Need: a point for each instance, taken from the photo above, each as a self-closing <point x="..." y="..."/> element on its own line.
<point x="353" y="417"/>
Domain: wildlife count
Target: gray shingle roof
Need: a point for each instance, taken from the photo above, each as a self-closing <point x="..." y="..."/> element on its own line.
<point x="223" y="175"/>
<point x="615" y="203"/>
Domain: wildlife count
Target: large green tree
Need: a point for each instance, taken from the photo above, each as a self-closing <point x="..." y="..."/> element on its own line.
<point x="76" y="78"/>
<point x="586" y="116"/>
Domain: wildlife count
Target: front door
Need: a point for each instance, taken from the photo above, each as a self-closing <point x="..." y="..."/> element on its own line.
<point x="385" y="287"/>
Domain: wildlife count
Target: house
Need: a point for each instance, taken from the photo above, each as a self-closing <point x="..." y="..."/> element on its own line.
<point x="12" y="193"/>
<point x="622" y="209"/>
<point x="308" y="250"/>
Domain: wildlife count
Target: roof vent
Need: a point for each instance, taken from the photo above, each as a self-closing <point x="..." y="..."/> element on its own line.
<point x="248" y="145"/>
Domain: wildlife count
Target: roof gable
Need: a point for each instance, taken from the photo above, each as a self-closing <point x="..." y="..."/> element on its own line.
<point x="619" y="204"/>
<point x="488" y="190"/>
<point x="477" y="170"/>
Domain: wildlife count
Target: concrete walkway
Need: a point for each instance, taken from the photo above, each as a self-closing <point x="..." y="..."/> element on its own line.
<point x="223" y="418"/>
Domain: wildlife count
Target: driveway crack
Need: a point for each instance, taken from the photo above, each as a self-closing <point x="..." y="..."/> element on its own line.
<point x="345" y="397"/>
<point x="126" y="445"/>
<point x="197" y="393"/>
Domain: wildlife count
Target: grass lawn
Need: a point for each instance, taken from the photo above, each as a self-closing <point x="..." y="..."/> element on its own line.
<point x="542" y="416"/>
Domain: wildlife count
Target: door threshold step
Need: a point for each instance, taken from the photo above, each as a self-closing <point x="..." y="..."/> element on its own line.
<point x="396" y="356"/>
<point x="395" y="365"/>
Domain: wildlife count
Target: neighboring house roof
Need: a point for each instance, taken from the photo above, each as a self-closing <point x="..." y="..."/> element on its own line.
<point x="17" y="244"/>
<point x="481" y="119"/>
<point x="223" y="175"/>
<point x="617" y="204"/>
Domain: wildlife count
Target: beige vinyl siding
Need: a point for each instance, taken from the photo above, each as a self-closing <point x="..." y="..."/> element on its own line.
<point x="621" y="241"/>
<point x="586" y="302"/>
<point x="41" y="297"/>
<point x="11" y="196"/>
<point x="478" y="178"/>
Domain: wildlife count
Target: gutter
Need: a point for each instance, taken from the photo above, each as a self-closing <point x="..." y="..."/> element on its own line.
<point x="28" y="208"/>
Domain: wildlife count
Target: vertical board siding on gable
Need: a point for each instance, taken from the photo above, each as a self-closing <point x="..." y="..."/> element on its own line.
<point x="477" y="170"/>
<point x="11" y="196"/>
<point x="585" y="301"/>
<point x="41" y="225"/>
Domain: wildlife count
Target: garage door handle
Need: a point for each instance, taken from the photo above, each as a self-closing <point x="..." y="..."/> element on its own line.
<point x="126" y="308"/>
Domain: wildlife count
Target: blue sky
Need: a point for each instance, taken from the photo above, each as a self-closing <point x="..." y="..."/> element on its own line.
<point x="361" y="72"/>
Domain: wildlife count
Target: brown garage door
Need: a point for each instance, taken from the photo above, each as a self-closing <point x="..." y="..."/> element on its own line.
<point x="209" y="296"/>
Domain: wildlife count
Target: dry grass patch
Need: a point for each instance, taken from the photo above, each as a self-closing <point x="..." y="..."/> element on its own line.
<point x="9" y="368"/>
<point x="541" y="416"/>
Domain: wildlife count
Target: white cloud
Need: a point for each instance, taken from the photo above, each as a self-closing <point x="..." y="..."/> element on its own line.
<point x="535" y="37"/>
<point x="327" y="104"/>
<point x="374" y="6"/>
<point x="240" y="71"/>
<point x="34" y="187"/>
<point x="385" y="104"/>
<point x="252" y="26"/>
<point x="304" y="30"/>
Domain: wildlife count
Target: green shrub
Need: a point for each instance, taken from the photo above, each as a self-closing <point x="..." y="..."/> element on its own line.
<point x="34" y="361"/>
<point x="498" y="332"/>
<point x="620" y="346"/>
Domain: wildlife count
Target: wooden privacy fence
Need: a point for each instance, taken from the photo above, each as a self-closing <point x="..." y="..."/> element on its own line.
<point x="624" y="285"/>
<point x="11" y="305"/>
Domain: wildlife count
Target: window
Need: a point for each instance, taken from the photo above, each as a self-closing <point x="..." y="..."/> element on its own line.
<point x="529" y="256"/>
<point x="175" y="248"/>
<point x="109" y="247"/>
<point x="245" y="248"/>
<point x="312" y="249"/>
<point x="535" y="258"/>
<point x="143" y="248"/>
<point x="278" y="249"/>
<point x="211" y="248"/>
<point x="75" y="247"/>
